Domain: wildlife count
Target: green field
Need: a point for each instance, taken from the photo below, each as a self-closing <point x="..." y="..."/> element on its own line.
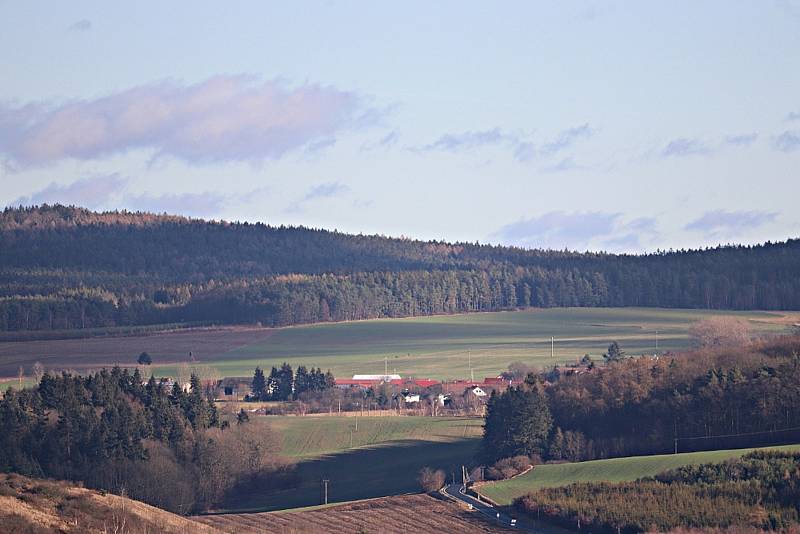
<point x="439" y="347"/>
<point x="306" y="437"/>
<point x="387" y="454"/>
<point x="611" y="470"/>
<point x="434" y="347"/>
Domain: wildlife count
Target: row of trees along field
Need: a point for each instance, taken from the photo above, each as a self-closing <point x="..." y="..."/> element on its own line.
<point x="760" y="490"/>
<point x="283" y="384"/>
<point x="68" y="268"/>
<point x="162" y="445"/>
<point x="709" y="398"/>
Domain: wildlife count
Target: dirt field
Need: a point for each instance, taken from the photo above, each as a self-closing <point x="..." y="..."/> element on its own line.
<point x="389" y="515"/>
<point x="206" y="344"/>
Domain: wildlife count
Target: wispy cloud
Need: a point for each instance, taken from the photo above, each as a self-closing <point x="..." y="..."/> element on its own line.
<point x="683" y="146"/>
<point x="578" y="231"/>
<point x="522" y="147"/>
<point x="566" y="139"/>
<point x="92" y="192"/>
<point x="82" y="25"/>
<point x="326" y="190"/>
<point x="225" y="118"/>
<point x="323" y="190"/>
<point x="788" y="141"/>
<point x="566" y="164"/>
<point x="472" y="139"/>
<point x="741" y="140"/>
<point x="722" y="224"/>
<point x="793" y="116"/>
<point x="387" y="141"/>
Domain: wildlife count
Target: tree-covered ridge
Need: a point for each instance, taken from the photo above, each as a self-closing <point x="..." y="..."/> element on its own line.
<point x="65" y="268"/>
<point x="155" y="442"/>
<point x="721" y="398"/>
<point x="760" y="490"/>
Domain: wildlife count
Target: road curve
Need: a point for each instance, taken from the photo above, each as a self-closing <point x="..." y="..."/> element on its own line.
<point x="456" y="491"/>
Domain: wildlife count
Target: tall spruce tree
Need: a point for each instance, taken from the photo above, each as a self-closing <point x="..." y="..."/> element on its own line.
<point x="518" y="422"/>
<point x="259" y="385"/>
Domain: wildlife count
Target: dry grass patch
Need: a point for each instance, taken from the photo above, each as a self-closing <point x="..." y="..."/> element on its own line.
<point x="35" y="506"/>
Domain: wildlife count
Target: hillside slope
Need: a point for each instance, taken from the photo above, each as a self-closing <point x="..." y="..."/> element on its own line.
<point x="610" y="470"/>
<point x="64" y="268"/>
<point x="43" y="506"/>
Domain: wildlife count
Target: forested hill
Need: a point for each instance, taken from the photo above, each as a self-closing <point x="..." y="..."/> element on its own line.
<point x="64" y="268"/>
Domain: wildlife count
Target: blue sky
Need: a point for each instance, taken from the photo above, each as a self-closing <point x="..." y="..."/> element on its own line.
<point x="623" y="126"/>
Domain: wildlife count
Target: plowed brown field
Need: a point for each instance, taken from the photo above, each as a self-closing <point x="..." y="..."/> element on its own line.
<point x="389" y="515"/>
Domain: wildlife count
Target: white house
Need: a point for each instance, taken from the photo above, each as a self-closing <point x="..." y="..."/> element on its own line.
<point x="477" y="391"/>
<point x="377" y="378"/>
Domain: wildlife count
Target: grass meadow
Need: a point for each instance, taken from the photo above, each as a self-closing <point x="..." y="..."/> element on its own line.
<point x="611" y="470"/>
<point x="387" y="454"/>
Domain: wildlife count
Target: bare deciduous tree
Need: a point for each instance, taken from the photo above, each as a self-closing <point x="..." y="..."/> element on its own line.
<point x="430" y="480"/>
<point x="184" y="374"/>
<point x="38" y="371"/>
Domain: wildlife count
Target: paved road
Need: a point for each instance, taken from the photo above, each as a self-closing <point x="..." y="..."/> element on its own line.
<point x="456" y="491"/>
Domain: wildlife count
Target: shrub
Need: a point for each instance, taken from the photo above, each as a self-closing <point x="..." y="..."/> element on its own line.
<point x="509" y="467"/>
<point x="430" y="480"/>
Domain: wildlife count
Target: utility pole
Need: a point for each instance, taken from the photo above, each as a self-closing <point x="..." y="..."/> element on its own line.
<point x="656" y="340"/>
<point x="469" y="363"/>
<point x="385" y="366"/>
<point x="325" y="483"/>
<point x="552" y="346"/>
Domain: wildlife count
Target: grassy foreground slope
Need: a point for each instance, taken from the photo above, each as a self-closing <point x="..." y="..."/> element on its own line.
<point x="610" y="470"/>
<point x="387" y="454"/>
<point x="44" y="506"/>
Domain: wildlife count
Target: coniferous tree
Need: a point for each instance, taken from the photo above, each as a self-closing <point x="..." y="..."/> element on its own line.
<point x="259" y="384"/>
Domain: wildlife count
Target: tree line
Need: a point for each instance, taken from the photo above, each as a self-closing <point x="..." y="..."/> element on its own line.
<point x="154" y="442"/>
<point x="65" y="268"/>
<point x="283" y="384"/>
<point x="719" y="397"/>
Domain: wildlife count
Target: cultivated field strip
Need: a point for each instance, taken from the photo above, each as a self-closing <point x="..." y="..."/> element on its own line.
<point x="390" y="515"/>
<point x="435" y="347"/>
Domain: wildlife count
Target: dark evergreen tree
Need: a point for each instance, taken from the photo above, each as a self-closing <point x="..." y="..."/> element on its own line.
<point x="259" y="384"/>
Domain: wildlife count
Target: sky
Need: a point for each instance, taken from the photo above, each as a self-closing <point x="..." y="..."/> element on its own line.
<point x="588" y="125"/>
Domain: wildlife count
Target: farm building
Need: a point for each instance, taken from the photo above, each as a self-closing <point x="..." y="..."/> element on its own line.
<point x="410" y="398"/>
<point x="489" y="384"/>
<point x="476" y="391"/>
<point x="377" y="378"/>
<point x="396" y="381"/>
<point x="234" y="388"/>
